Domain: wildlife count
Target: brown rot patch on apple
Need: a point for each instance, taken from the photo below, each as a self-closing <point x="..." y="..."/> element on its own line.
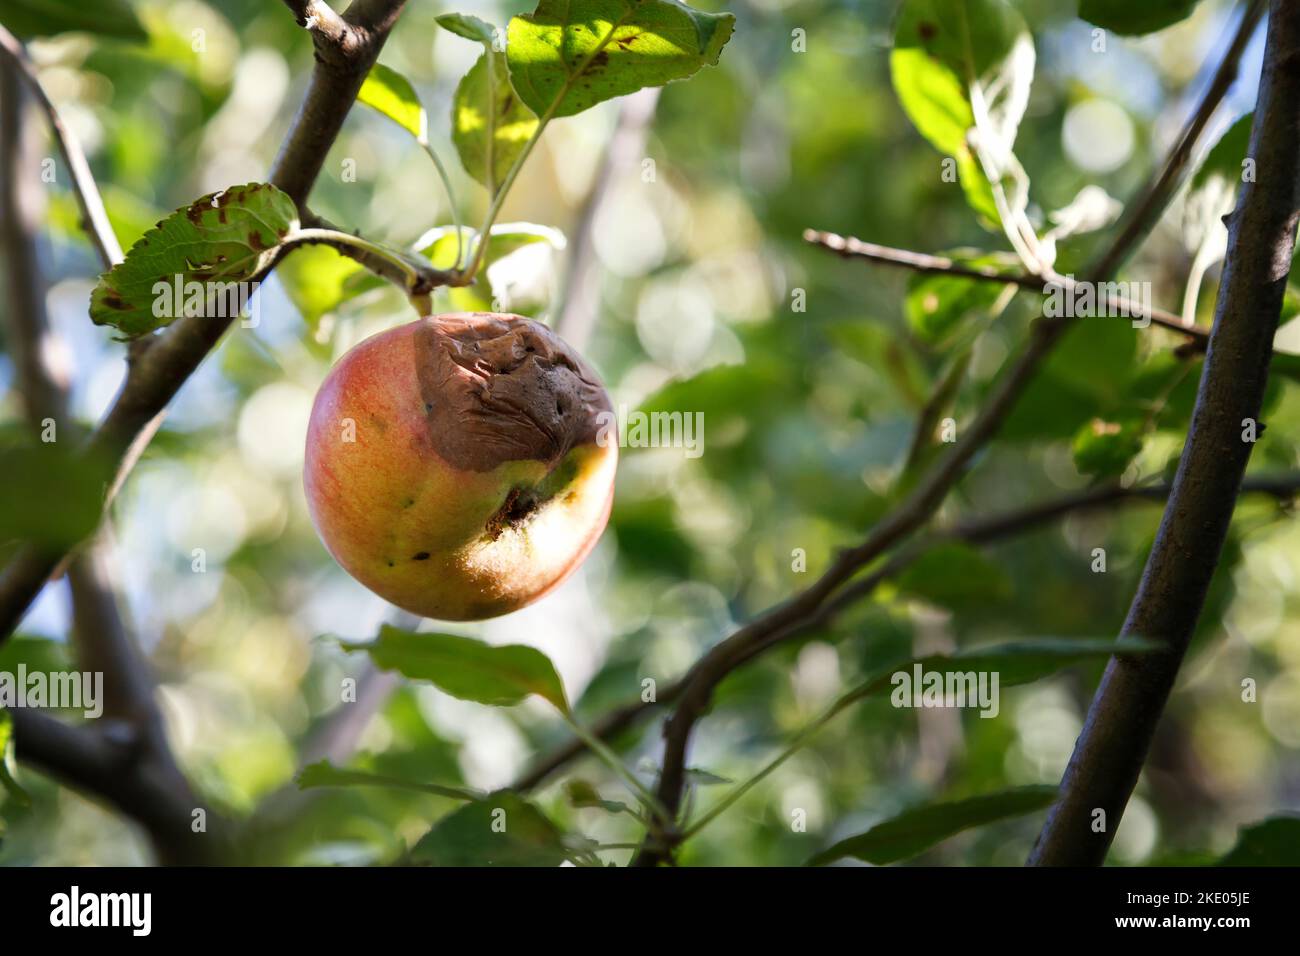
<point x="500" y="388"/>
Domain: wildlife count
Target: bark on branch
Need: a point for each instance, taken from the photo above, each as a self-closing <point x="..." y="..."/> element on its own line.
<point x="110" y="761"/>
<point x="1117" y="732"/>
<point x="158" y="370"/>
<point x="126" y="761"/>
<point x="917" y="509"/>
<point x="99" y="636"/>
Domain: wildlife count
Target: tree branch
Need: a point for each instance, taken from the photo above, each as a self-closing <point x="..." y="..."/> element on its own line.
<point x="1121" y="722"/>
<point x="346" y="49"/>
<point x="848" y="247"/>
<point x="94" y="218"/>
<point x="914" y="511"/>
<point x="329" y="30"/>
<point x="109" y="762"/>
<point x="158" y="369"/>
<point x="99" y="636"/>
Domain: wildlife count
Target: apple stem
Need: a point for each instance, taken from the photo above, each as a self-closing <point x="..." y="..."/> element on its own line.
<point x="416" y="287"/>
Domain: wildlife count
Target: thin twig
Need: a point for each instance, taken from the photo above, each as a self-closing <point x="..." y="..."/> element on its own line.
<point x="427" y="278"/>
<point x="94" y="218"/>
<point x="849" y="247"/>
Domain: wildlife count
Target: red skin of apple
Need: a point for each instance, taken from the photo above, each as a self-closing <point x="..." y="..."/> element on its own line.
<point x="459" y="466"/>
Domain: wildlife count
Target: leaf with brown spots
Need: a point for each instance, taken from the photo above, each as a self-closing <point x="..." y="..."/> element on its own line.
<point x="569" y="55"/>
<point x="188" y="262"/>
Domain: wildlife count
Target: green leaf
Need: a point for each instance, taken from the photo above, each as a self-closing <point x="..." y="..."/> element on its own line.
<point x="976" y="188"/>
<point x="490" y="125"/>
<point x="583" y="794"/>
<point x="7" y="782"/>
<point x="1098" y="355"/>
<point x="34" y="653"/>
<point x="466" y="668"/>
<point x="954" y="574"/>
<point x="392" y="94"/>
<point x="1273" y="842"/>
<point x="1049" y="410"/>
<point x="438" y="245"/>
<point x="1104" y="449"/>
<point x="206" y="248"/>
<point x="498" y="126"/>
<point x="932" y="95"/>
<point x="944" y="49"/>
<point x="918" y="829"/>
<point x="325" y="774"/>
<point x="569" y="55"/>
<point x="469" y="27"/>
<point x="1130" y="18"/>
<point x="700" y="777"/>
<point x="502" y="829"/>
<point x="937" y="305"/>
<point x="113" y="19"/>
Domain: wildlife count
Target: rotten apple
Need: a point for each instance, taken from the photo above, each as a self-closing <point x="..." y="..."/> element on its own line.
<point x="456" y="466"/>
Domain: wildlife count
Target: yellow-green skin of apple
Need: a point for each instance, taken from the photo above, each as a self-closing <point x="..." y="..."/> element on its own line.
<point x="461" y="466"/>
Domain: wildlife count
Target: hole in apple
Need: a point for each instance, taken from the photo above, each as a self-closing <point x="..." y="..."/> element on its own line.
<point x="519" y="506"/>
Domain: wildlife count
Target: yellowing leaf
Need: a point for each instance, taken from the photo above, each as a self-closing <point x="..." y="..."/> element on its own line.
<point x="217" y="241"/>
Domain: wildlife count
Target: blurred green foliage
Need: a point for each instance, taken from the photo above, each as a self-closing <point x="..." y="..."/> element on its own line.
<point x="810" y="372"/>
